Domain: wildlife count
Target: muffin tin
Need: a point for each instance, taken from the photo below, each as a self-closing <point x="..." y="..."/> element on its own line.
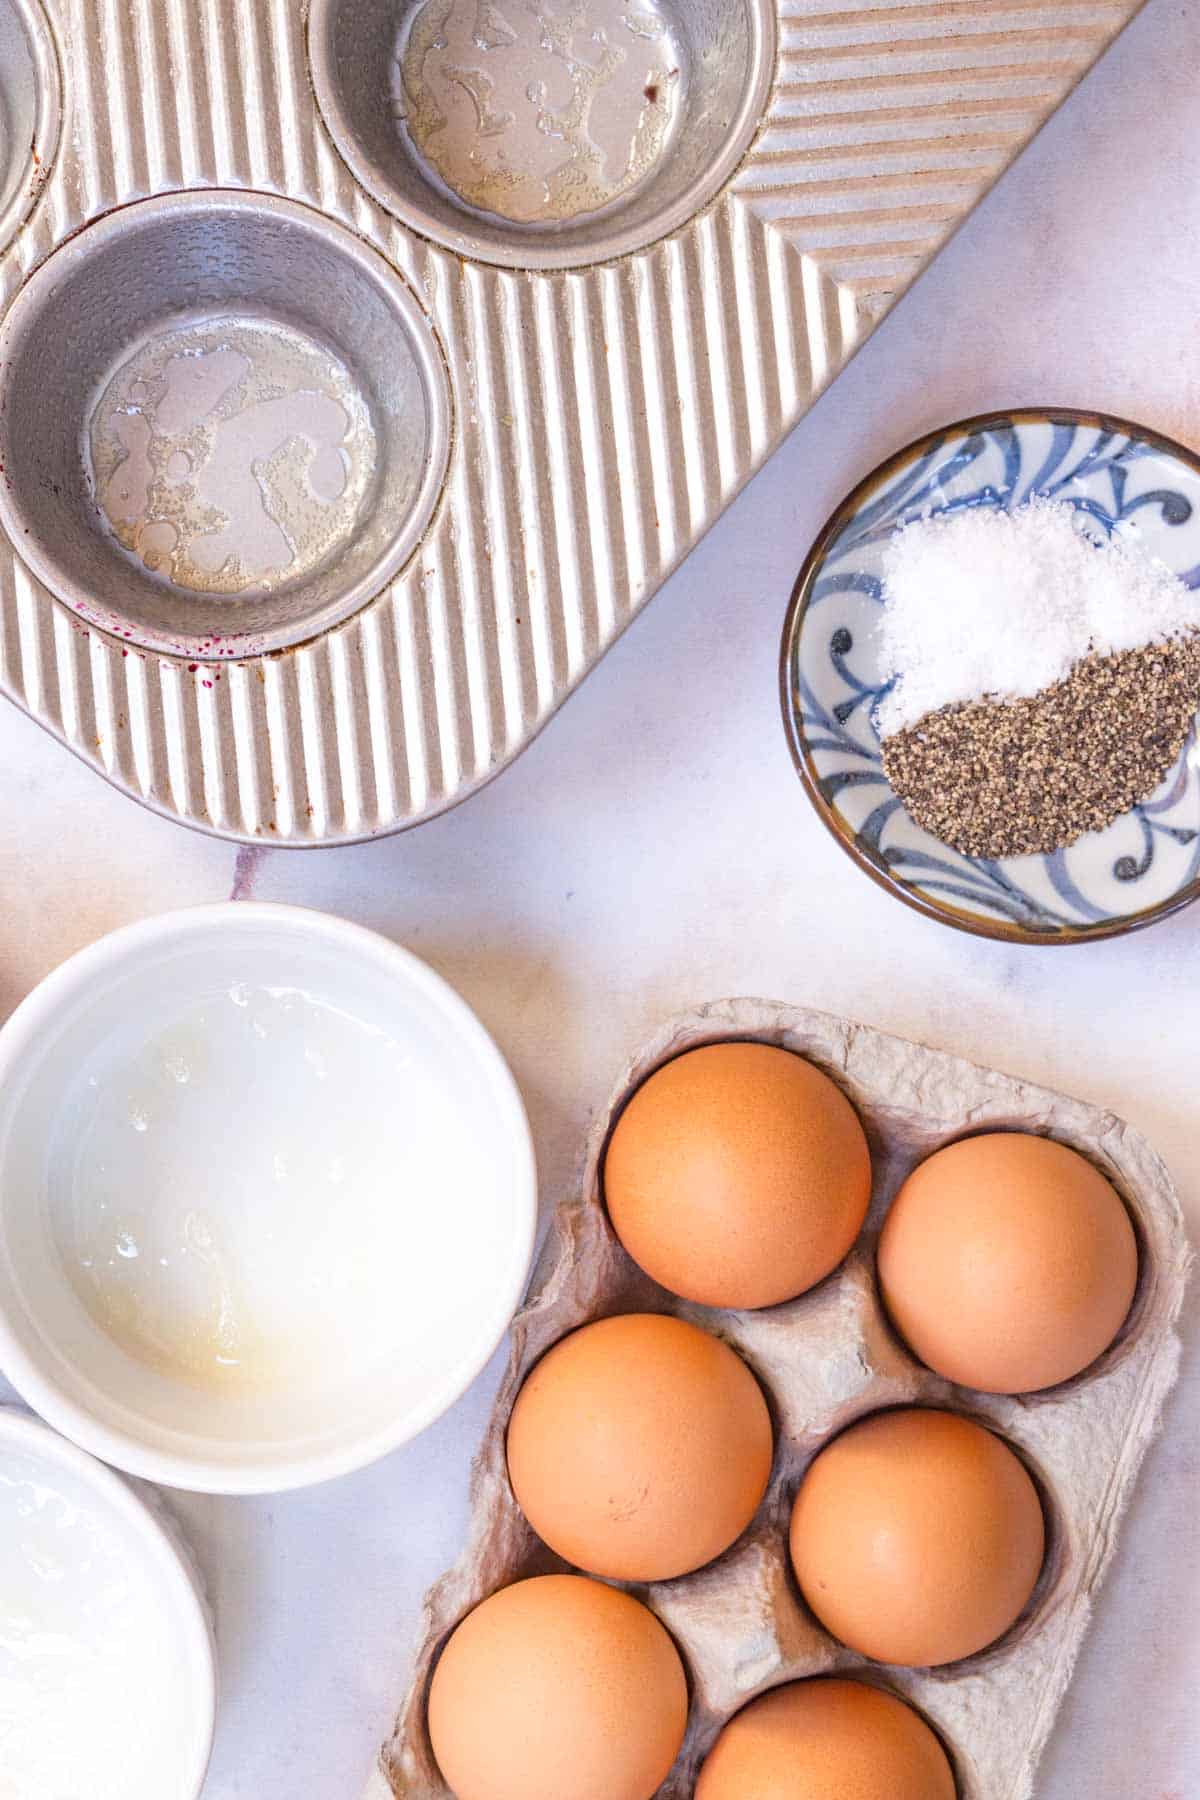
<point x="554" y="398"/>
<point x="829" y="1358"/>
<point x="30" y="111"/>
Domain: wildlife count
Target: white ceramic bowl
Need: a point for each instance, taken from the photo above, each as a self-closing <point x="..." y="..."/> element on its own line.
<point x="267" y="1197"/>
<point x="113" y="1671"/>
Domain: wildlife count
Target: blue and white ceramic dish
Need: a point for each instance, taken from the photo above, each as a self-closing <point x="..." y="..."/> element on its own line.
<point x="1147" y="863"/>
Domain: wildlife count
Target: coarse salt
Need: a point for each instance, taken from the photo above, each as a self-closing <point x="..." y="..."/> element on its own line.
<point x="985" y="603"/>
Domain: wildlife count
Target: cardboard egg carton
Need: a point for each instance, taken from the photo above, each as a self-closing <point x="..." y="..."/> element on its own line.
<point x="825" y="1360"/>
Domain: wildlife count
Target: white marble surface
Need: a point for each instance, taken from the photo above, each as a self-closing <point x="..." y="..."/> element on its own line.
<point x="654" y="848"/>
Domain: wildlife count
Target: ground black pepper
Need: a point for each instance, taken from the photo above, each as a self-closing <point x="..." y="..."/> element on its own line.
<point x="999" y="778"/>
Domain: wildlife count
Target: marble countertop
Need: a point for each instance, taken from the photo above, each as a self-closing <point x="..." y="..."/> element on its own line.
<point x="653" y="848"/>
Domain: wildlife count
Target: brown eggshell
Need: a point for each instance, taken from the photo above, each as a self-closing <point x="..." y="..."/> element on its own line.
<point x="557" y="1688"/>
<point x="640" y="1447"/>
<point x="827" y="1740"/>
<point x="1008" y="1263"/>
<point x="917" y="1537"/>
<point x="738" y="1175"/>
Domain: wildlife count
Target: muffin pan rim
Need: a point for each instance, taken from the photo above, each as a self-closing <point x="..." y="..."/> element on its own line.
<point x="38" y="164"/>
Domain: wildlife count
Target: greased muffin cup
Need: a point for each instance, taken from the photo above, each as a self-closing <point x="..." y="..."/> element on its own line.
<point x="30" y="111"/>
<point x="825" y="1360"/>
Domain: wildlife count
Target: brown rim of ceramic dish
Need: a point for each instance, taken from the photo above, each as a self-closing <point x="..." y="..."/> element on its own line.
<point x="956" y="917"/>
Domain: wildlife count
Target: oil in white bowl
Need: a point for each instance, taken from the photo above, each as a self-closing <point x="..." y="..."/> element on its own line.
<point x="94" y="1702"/>
<point x="240" y="1191"/>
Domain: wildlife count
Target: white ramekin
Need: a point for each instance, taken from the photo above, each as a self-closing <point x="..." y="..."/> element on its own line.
<point x="167" y="1567"/>
<point x="169" y="1430"/>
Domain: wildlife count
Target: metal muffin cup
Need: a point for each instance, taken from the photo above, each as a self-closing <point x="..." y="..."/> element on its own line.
<point x="213" y="313"/>
<point x="639" y="114"/>
<point x="30" y="111"/>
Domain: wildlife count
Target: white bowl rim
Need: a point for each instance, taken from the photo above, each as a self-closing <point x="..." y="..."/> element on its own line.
<point x="283" y="1472"/>
<point x="176" y="1580"/>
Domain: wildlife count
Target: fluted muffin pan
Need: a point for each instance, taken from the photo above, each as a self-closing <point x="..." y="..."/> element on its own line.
<point x="304" y="538"/>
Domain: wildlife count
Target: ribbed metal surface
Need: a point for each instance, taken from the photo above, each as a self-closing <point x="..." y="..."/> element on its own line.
<point x="892" y="120"/>
<point x="603" y="418"/>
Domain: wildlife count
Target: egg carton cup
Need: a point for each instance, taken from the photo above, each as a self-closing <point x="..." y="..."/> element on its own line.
<point x="824" y="1360"/>
<point x="558" y="412"/>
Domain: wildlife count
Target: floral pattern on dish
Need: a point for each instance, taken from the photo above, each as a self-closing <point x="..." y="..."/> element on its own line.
<point x="1146" y="863"/>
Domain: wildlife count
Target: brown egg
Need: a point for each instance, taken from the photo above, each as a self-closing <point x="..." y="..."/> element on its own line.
<point x="826" y="1740"/>
<point x="557" y="1689"/>
<point x="738" y="1175"/>
<point x="1008" y="1263"/>
<point x="917" y="1537"/>
<point x="640" y="1447"/>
